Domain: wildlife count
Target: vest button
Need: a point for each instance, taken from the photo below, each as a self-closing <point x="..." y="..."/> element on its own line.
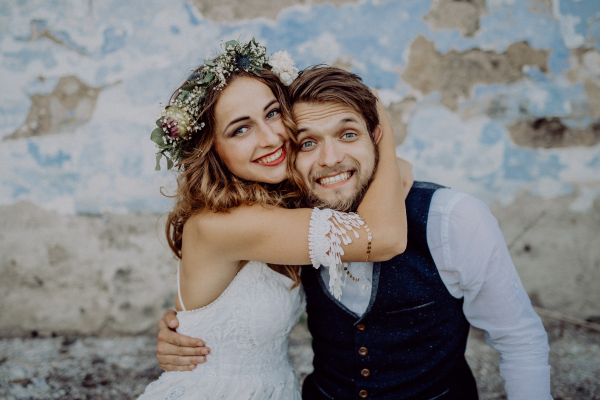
<point x="363" y="351"/>
<point x="365" y="372"/>
<point x="361" y="327"/>
<point x="363" y="394"/>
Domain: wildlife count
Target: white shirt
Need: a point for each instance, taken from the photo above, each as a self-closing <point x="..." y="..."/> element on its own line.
<point x="471" y="256"/>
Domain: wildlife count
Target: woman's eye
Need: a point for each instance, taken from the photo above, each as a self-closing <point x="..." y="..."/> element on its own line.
<point x="273" y="113"/>
<point x="349" y="135"/>
<point x="307" y="145"/>
<point x="240" y="131"/>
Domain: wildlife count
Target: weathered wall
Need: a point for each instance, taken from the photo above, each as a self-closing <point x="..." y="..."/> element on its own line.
<point x="85" y="274"/>
<point x="498" y="98"/>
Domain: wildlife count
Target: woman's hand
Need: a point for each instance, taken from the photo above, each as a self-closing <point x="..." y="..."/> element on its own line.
<point x="384" y="120"/>
<point x="386" y="127"/>
<point x="407" y="175"/>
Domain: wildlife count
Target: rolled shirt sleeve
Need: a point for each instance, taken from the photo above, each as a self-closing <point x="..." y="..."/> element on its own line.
<point x="473" y="260"/>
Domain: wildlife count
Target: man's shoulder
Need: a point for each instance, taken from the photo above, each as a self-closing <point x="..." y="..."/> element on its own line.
<point x="426" y="185"/>
<point x="420" y="195"/>
<point x="452" y="201"/>
<point x="429" y="201"/>
<point x="445" y="200"/>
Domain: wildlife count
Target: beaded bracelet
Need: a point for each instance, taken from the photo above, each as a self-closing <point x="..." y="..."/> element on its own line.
<point x="369" y="237"/>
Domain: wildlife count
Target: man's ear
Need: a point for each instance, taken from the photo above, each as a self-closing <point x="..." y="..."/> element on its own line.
<point x="377" y="134"/>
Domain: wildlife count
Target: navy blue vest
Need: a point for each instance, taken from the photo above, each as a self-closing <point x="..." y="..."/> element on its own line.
<point x="409" y="344"/>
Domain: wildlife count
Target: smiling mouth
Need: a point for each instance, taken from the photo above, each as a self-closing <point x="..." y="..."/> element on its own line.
<point x="332" y="180"/>
<point x="272" y="159"/>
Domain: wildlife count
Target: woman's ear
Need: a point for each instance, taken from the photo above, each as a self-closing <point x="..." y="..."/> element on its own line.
<point x="377" y="134"/>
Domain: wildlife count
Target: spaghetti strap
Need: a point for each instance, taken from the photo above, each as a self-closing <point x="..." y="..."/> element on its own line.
<point x="179" y="287"/>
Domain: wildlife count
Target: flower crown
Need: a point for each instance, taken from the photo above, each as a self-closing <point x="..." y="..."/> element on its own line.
<point x="181" y="118"/>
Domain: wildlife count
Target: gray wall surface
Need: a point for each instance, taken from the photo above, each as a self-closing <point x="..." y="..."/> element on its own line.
<point x="497" y="98"/>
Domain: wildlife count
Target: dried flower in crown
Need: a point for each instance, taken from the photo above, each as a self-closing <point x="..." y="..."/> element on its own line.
<point x="180" y="119"/>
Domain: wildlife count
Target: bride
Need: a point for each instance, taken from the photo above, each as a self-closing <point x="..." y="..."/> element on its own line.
<point x="226" y="129"/>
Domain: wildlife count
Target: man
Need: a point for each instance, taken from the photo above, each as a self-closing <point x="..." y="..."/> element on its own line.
<point x="400" y="328"/>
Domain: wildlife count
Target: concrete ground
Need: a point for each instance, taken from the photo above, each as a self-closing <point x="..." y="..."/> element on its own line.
<point x="76" y="367"/>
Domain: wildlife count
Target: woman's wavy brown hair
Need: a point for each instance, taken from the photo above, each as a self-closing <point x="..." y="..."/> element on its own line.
<point x="205" y="182"/>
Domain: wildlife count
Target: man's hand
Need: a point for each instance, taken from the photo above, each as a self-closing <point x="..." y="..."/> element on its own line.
<point x="176" y="352"/>
<point x="407" y="175"/>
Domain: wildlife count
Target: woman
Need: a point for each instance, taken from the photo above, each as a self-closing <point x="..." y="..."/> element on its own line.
<point x="227" y="130"/>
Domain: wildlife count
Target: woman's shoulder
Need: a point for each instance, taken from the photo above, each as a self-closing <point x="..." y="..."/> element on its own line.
<point x="211" y="225"/>
<point x="211" y="218"/>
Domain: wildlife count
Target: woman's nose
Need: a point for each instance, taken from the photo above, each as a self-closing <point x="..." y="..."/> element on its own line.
<point x="268" y="136"/>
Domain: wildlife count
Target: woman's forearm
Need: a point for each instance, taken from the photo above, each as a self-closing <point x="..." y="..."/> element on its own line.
<point x="383" y="207"/>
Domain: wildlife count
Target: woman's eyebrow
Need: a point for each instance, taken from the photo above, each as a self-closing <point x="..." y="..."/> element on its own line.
<point x="270" y="104"/>
<point x="235" y="121"/>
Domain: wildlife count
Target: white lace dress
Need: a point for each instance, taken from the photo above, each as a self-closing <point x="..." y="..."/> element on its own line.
<point x="247" y="329"/>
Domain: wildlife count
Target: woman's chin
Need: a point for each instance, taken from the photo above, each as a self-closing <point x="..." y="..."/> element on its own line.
<point x="271" y="177"/>
<point x="273" y="180"/>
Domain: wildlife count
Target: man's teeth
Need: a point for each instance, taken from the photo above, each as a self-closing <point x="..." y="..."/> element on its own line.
<point x="330" y="180"/>
<point x="272" y="157"/>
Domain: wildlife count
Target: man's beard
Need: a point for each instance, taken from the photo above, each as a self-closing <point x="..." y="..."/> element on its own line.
<point x="340" y="203"/>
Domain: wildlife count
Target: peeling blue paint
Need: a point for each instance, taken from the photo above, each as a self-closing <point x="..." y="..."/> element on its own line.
<point x="529" y="165"/>
<point x="18" y="190"/>
<point x="114" y="40"/>
<point x="191" y="14"/>
<point x="44" y="160"/>
<point x="140" y="50"/>
<point x="20" y="60"/>
<point x="492" y="133"/>
<point x="584" y="10"/>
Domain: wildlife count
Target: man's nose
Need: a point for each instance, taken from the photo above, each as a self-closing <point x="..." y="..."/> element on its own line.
<point x="267" y="136"/>
<point x="330" y="154"/>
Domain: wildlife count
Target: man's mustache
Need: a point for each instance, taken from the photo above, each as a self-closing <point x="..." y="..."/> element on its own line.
<point x="321" y="173"/>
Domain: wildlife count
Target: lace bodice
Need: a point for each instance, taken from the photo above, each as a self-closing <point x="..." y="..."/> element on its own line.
<point x="247" y="329"/>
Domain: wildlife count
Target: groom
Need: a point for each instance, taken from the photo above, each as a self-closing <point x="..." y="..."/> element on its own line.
<point x="400" y="331"/>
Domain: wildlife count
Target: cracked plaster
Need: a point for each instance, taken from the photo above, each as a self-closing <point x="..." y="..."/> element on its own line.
<point x="91" y="275"/>
<point x="112" y="274"/>
<point x="551" y="132"/>
<point x="455" y="74"/>
<point x="456" y="14"/>
<point x="40" y="31"/>
<point x="585" y="68"/>
<point x="234" y="10"/>
<point x="70" y="104"/>
<point x="555" y="251"/>
<point x="399" y="114"/>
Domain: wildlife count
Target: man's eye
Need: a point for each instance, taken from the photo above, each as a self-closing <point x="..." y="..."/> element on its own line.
<point x="240" y="131"/>
<point x="349" y="135"/>
<point x="307" y="145"/>
<point x="273" y="113"/>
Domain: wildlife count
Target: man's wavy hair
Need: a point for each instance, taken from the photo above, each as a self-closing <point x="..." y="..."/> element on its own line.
<point x="324" y="84"/>
<point x="205" y="182"/>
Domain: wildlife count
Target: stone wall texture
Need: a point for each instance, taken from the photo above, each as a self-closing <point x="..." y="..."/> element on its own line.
<point x="498" y="98"/>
